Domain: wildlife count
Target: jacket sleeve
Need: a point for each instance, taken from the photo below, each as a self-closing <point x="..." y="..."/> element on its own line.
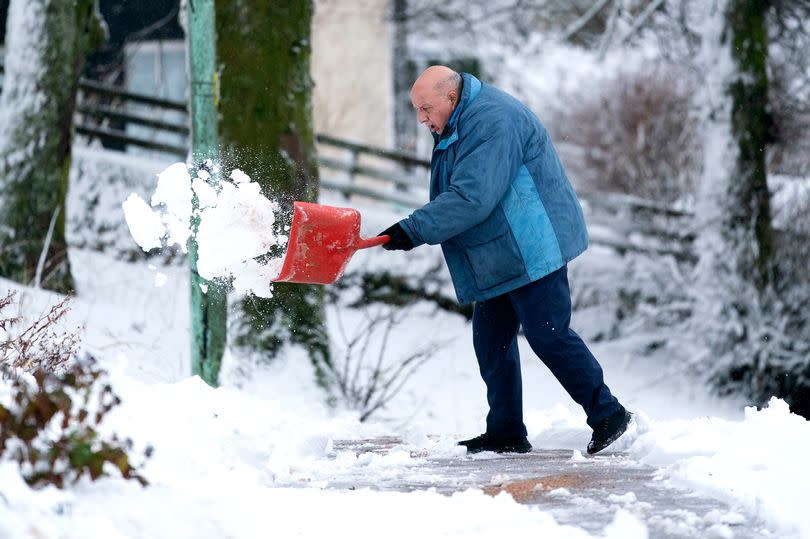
<point x="484" y="168"/>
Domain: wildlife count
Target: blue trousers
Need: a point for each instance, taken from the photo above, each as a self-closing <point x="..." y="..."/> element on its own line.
<point x="543" y="309"/>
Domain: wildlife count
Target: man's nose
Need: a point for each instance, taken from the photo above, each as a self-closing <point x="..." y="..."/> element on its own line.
<point x="423" y="117"/>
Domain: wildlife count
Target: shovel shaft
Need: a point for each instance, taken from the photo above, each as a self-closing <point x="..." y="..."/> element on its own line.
<point x="373" y="242"/>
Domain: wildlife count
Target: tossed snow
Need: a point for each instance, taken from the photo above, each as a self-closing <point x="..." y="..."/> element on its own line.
<point x="174" y="192"/>
<point x="236" y="226"/>
<point x="239" y="177"/>
<point x="145" y="225"/>
<point x="206" y="195"/>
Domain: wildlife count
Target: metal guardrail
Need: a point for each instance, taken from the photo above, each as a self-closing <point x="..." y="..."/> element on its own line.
<point x="100" y="111"/>
<point x="353" y="177"/>
<point x="392" y="155"/>
<point x="115" y="135"/>
<point x="100" y="88"/>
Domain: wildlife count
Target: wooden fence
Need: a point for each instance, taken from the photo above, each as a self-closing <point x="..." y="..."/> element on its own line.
<point x="622" y="222"/>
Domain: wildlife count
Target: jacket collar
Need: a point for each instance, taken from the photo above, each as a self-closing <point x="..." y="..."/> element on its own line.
<point x="470" y="86"/>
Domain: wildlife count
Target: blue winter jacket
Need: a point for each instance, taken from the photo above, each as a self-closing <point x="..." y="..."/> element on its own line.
<point x="500" y="205"/>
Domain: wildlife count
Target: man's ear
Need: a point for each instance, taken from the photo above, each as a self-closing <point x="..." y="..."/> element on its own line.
<point x="453" y="96"/>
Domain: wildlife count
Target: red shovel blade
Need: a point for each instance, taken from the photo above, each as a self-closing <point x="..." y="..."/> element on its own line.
<point x="322" y="241"/>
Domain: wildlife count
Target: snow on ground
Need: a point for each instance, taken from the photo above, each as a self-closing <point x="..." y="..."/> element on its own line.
<point x="214" y="473"/>
<point x="752" y="462"/>
<point x="222" y="459"/>
<point x="248" y="459"/>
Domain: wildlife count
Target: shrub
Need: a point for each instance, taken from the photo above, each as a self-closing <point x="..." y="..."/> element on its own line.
<point x="38" y="346"/>
<point x="53" y="405"/>
<point x="634" y="133"/>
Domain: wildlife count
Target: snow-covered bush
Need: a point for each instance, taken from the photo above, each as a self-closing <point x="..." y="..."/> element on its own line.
<point x="633" y="134"/>
<point x="789" y="88"/>
<point x="771" y="356"/>
<point x="762" y="349"/>
<point x="790" y="120"/>
<point x="100" y="180"/>
<point x="51" y="405"/>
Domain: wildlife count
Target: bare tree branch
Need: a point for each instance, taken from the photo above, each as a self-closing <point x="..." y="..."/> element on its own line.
<point x="641" y="19"/>
<point x="610" y="29"/>
<point x="44" y="254"/>
<point x="368" y="381"/>
<point x="586" y="17"/>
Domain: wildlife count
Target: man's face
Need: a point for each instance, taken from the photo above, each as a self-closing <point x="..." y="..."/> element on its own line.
<point x="433" y="108"/>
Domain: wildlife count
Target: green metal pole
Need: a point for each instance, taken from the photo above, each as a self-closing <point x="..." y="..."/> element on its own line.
<point x="208" y="299"/>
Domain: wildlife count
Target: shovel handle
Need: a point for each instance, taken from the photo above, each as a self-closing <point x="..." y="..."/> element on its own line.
<point x="373" y="242"/>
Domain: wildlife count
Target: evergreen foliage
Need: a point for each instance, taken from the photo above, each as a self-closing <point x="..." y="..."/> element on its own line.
<point x="63" y="401"/>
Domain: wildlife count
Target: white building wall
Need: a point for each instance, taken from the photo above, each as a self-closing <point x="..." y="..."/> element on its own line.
<point x="352" y="69"/>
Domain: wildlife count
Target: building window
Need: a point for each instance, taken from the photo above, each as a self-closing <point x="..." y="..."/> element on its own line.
<point x="156" y="68"/>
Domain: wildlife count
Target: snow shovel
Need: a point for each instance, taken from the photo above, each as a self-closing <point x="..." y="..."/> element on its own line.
<point x="322" y="241"/>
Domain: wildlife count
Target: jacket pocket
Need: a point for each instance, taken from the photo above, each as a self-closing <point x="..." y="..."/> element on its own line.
<point x="496" y="261"/>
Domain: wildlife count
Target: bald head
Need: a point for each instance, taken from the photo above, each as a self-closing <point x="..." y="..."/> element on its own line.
<point x="437" y="78"/>
<point x="435" y="95"/>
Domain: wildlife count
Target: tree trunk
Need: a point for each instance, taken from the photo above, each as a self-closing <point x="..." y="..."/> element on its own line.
<point x="266" y="129"/>
<point x="735" y="240"/>
<point x="750" y="126"/>
<point x="47" y="42"/>
<point x="734" y="204"/>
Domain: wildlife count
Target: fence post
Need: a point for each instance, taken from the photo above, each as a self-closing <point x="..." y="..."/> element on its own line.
<point x="208" y="299"/>
<point x="354" y="158"/>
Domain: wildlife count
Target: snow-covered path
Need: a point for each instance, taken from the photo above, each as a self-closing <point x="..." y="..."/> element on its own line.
<point x="579" y="491"/>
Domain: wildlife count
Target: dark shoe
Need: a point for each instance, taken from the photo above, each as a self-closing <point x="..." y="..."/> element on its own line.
<point x="609" y="430"/>
<point x="485" y="442"/>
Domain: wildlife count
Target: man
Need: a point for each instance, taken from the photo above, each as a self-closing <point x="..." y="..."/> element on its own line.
<point x="508" y="222"/>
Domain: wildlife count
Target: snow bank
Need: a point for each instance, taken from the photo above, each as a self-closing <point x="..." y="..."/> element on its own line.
<point x="236" y="225"/>
<point x="224" y="461"/>
<point x="756" y="462"/>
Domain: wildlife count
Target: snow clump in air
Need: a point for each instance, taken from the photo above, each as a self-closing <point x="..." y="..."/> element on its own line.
<point x="236" y="224"/>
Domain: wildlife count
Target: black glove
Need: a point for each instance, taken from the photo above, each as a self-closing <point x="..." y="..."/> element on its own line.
<point x="400" y="241"/>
